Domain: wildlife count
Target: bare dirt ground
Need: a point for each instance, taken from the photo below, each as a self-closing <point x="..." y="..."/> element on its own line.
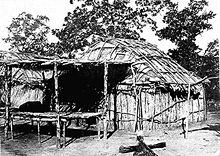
<point x="203" y="140"/>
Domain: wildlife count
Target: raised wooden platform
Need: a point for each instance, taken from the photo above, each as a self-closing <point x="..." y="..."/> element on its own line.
<point x="60" y="119"/>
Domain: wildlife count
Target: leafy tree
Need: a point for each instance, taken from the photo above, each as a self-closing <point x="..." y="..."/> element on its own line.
<point x="210" y="68"/>
<point x="210" y="60"/>
<point x="107" y="19"/>
<point x="28" y="34"/>
<point x="182" y="28"/>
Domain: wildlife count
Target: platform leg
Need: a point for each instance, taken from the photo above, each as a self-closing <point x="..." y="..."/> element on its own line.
<point x="7" y="122"/>
<point x="105" y="128"/>
<point x="98" y="120"/>
<point x="12" y="133"/>
<point x="64" y="133"/>
<point x="38" y="131"/>
<point x="58" y="133"/>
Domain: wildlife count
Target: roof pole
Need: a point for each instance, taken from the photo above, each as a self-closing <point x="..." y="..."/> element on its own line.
<point x="8" y="75"/>
<point x="57" y="104"/>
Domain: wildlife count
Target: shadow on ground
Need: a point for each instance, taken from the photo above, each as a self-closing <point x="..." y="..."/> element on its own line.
<point x="25" y="136"/>
<point x="50" y="130"/>
<point x="213" y="127"/>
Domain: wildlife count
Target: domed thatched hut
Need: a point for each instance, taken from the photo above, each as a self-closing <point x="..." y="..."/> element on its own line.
<point x="133" y="83"/>
<point x="151" y="89"/>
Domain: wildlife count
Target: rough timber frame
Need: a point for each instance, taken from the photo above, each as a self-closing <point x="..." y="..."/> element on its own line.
<point x="138" y="55"/>
<point x="58" y="117"/>
<point x="8" y="76"/>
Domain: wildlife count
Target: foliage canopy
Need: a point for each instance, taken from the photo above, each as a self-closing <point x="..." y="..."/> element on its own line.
<point x="182" y="28"/>
<point x="28" y="34"/>
<point x="118" y="18"/>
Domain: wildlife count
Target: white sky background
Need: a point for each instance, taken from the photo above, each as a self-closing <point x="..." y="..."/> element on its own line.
<point x="56" y="10"/>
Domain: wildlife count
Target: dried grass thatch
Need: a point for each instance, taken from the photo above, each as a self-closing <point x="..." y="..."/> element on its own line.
<point x="137" y="73"/>
<point x="150" y="63"/>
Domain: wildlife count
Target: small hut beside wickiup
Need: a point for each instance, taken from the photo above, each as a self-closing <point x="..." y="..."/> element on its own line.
<point x="149" y="90"/>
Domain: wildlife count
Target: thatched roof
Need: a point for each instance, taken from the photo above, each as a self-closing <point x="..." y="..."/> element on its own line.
<point x="150" y="63"/>
<point x="18" y="57"/>
<point x="125" y="58"/>
<point x="22" y="74"/>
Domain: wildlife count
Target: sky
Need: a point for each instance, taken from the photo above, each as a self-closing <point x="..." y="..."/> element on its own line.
<point x="56" y="10"/>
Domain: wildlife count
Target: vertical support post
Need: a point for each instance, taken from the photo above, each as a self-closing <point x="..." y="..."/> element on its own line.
<point x="204" y="104"/>
<point x="8" y="74"/>
<point x="136" y="127"/>
<point x="187" y="113"/>
<point x="57" y="104"/>
<point x="154" y="111"/>
<point x="199" y="113"/>
<point x="38" y="131"/>
<point x="105" y="128"/>
<point x="98" y="120"/>
<point x="105" y="99"/>
<point x="140" y="109"/>
<point x="192" y="111"/>
<point x="64" y="132"/>
<point x="115" y="109"/>
<point x="12" y="133"/>
<point x="168" y="104"/>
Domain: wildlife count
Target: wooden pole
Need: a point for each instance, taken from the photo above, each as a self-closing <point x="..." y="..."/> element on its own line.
<point x="56" y="87"/>
<point x="98" y="120"/>
<point x="168" y="112"/>
<point x="136" y="127"/>
<point x="140" y="109"/>
<point x="218" y="74"/>
<point x="64" y="133"/>
<point x="6" y="104"/>
<point x="57" y="104"/>
<point x="166" y="109"/>
<point x="199" y="113"/>
<point x="115" y="109"/>
<point x="105" y="99"/>
<point x="38" y="131"/>
<point x="187" y="113"/>
<point x="192" y="111"/>
<point x="154" y="111"/>
<point x="204" y="103"/>
<point x="8" y="74"/>
<point x="12" y="133"/>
